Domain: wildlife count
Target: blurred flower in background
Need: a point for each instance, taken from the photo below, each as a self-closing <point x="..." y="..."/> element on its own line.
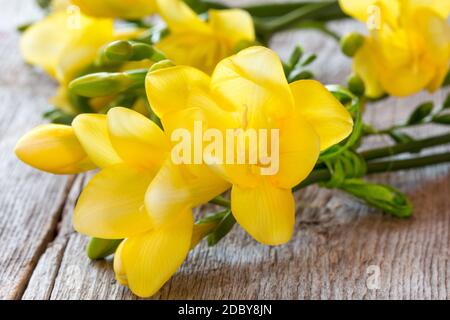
<point x="407" y="48"/>
<point x="202" y="44"/>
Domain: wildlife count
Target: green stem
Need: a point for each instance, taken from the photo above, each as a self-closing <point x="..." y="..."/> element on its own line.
<point x="412" y="146"/>
<point x="275" y="9"/>
<point x="221" y="201"/>
<point x="322" y="175"/>
<point x="307" y="11"/>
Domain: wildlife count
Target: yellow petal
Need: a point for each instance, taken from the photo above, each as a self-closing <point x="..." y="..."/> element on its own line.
<point x="130" y="9"/>
<point x="267" y="213"/>
<point x="407" y="79"/>
<point x="61" y="100"/>
<point x="92" y="132"/>
<point x="151" y="258"/>
<point x="329" y="118"/>
<point x="83" y="47"/>
<point x="59" y="5"/>
<point x="241" y="174"/>
<point x="171" y="89"/>
<point x="112" y="204"/>
<point x="53" y="148"/>
<point x="356" y="8"/>
<point x="179" y="17"/>
<point x="253" y="81"/>
<point x="234" y="24"/>
<point x="362" y="10"/>
<point x="180" y="95"/>
<point x="119" y="267"/>
<point x="178" y="188"/>
<point x="43" y="42"/>
<point x="441" y="7"/>
<point x="435" y="33"/>
<point x="365" y="65"/>
<point x="199" y="50"/>
<point x="96" y="8"/>
<point x="137" y="140"/>
<point x="299" y="151"/>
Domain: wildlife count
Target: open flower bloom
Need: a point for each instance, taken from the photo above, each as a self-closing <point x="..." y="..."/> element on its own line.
<point x="129" y="9"/>
<point x="130" y="150"/>
<point x="249" y="91"/>
<point x="201" y="44"/>
<point x="408" y="46"/>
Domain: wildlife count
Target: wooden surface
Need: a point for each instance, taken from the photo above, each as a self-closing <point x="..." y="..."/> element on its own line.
<point x="337" y="250"/>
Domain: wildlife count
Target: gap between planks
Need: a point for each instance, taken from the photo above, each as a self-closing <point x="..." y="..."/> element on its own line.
<point x="42" y="279"/>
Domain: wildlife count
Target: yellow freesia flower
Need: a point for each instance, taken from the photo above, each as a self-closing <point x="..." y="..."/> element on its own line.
<point x="408" y="47"/>
<point x="131" y="152"/>
<point x="201" y="44"/>
<point x="129" y="9"/>
<point x="63" y="45"/>
<point x="248" y="90"/>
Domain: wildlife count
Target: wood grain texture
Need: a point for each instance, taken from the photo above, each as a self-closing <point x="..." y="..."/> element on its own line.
<point x="30" y="201"/>
<point x="337" y="245"/>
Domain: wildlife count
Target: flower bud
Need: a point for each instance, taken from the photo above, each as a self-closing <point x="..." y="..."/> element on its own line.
<point x="356" y="85"/>
<point x="118" y="51"/>
<point x="143" y="51"/>
<point x="104" y="84"/>
<point x="99" y="84"/>
<point x="101" y="248"/>
<point x="351" y="43"/>
<point x="38" y="148"/>
<point x="381" y="196"/>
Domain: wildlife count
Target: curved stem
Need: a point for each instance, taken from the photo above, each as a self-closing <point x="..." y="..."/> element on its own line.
<point x="322" y="175"/>
<point x="312" y="11"/>
<point x="221" y="201"/>
<point x="412" y="146"/>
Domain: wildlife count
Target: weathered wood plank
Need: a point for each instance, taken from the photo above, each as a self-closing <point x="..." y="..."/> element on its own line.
<point x="337" y="245"/>
<point x="30" y="201"/>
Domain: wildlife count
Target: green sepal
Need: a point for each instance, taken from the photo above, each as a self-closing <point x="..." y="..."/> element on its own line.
<point x="101" y="248"/>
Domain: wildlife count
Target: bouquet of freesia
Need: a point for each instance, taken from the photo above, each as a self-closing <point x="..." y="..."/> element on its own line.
<point x="181" y="103"/>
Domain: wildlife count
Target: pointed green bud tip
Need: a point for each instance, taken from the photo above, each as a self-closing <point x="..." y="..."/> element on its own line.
<point x="162" y="65"/>
<point x="381" y="196"/>
<point x="351" y="43"/>
<point x="99" y="84"/>
<point x="101" y="248"/>
<point x="295" y="56"/>
<point x="356" y="85"/>
<point x="119" y="51"/>
<point x="421" y="112"/>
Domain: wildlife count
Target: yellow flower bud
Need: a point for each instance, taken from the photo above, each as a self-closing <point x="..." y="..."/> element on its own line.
<point x="53" y="148"/>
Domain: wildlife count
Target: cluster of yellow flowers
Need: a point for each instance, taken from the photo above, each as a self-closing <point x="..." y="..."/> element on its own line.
<point x="407" y="48"/>
<point x="67" y="41"/>
<point x="140" y="194"/>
